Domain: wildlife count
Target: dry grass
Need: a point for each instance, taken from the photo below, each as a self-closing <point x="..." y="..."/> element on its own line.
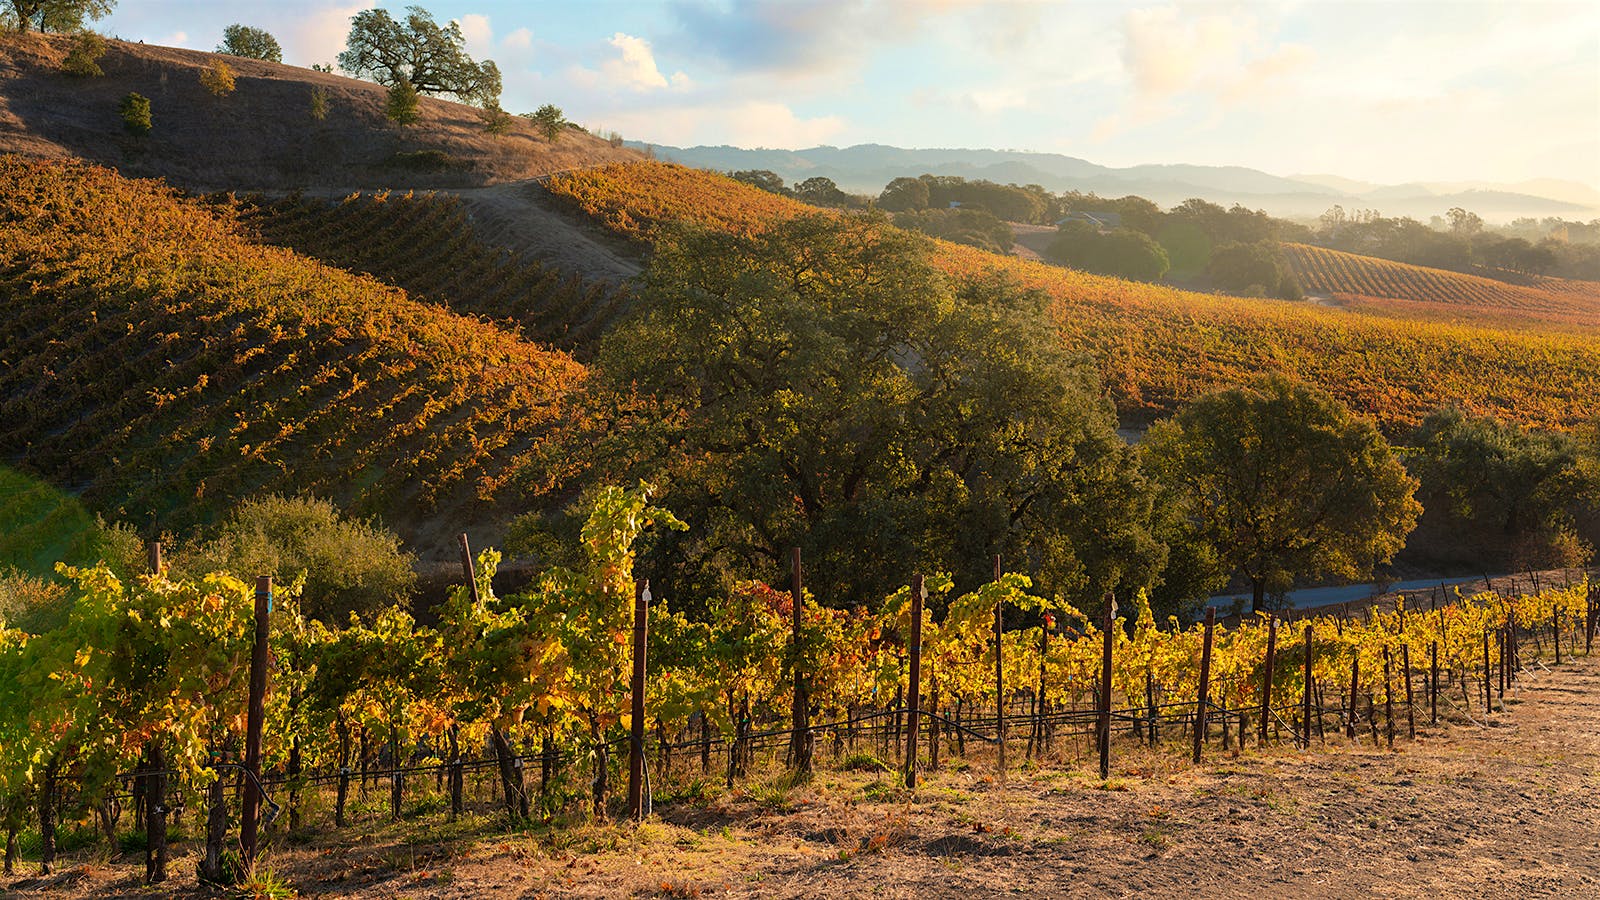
<point x="262" y="136"/>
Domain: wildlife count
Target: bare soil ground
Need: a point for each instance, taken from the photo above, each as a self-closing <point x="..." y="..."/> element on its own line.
<point x="1505" y="810"/>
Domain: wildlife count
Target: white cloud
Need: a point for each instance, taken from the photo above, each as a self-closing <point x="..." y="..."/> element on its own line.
<point x="175" y="39"/>
<point x="635" y="66"/>
<point x="477" y="35"/>
<point x="318" y="37"/>
<point x="750" y="123"/>
<point x="519" y="40"/>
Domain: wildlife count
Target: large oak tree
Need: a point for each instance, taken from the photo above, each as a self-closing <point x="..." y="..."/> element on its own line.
<point x="1277" y="480"/>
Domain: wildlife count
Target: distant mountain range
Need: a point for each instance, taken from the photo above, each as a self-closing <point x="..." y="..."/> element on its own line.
<point x="866" y="168"/>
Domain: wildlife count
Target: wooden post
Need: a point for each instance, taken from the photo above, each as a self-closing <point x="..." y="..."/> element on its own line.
<point x="1204" y="692"/>
<point x="999" y="681"/>
<point x="1411" y="715"/>
<point x="1266" y="678"/>
<point x="1488" y="687"/>
<point x="1305" y="700"/>
<point x="155" y="783"/>
<point x="1355" y="686"/>
<point x="1555" y="632"/>
<point x="914" y="697"/>
<point x="1433" y="683"/>
<point x="1105" y="689"/>
<point x="1388" y="696"/>
<point x="800" y="729"/>
<point x="255" y="716"/>
<point x="467" y="570"/>
<point x="641" y="628"/>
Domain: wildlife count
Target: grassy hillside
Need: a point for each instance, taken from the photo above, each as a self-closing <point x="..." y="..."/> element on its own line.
<point x="262" y="136"/>
<point x="424" y="244"/>
<point x="1380" y="285"/>
<point x="161" y="364"/>
<point x="1157" y="347"/>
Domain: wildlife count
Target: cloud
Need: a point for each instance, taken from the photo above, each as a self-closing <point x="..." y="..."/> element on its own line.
<point x="520" y="40"/>
<point x="318" y="37"/>
<point x="477" y="34"/>
<point x="750" y="123"/>
<point x="633" y="68"/>
<point x="175" y="39"/>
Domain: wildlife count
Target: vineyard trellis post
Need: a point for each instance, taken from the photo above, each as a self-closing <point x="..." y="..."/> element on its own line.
<point x="1305" y="694"/>
<point x="641" y="616"/>
<point x="1266" y="678"/>
<point x="1104" y="723"/>
<point x="1203" y="690"/>
<point x="914" y="695"/>
<point x="799" y="737"/>
<point x="255" y="715"/>
<point x="999" y="679"/>
<point x="155" y="784"/>
<point x="1411" y="708"/>
<point x="1433" y="683"/>
<point x="467" y="571"/>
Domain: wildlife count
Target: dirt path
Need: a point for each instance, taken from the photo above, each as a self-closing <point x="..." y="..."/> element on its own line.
<point x="1510" y="810"/>
<point x="519" y="216"/>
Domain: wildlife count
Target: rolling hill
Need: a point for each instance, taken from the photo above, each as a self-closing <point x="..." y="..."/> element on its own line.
<point x="159" y="364"/>
<point x="1158" y="347"/>
<point x="1385" y="286"/>
<point x="263" y="135"/>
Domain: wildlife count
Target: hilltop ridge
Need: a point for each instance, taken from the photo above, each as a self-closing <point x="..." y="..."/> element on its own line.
<point x="263" y="135"/>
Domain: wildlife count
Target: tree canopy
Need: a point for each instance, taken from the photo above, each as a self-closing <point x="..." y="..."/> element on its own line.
<point x="251" y="43"/>
<point x="1281" y="481"/>
<point x="431" y="57"/>
<point x="822" y="386"/>
<point x="1122" y="252"/>
<point x="55" y="15"/>
<point x="1501" y="494"/>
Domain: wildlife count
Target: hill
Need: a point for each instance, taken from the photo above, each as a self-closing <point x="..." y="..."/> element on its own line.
<point x="1158" y="347"/>
<point x="160" y="364"/>
<point x="866" y="168"/>
<point x="263" y="135"/>
<point x="425" y="244"/>
<point x="1381" y="285"/>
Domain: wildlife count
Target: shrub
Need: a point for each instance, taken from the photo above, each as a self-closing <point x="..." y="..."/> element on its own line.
<point x="218" y="79"/>
<point x="495" y="119"/>
<point x="349" y="565"/>
<point x="319" y="104"/>
<point x="136" y="113"/>
<point x="549" y="119"/>
<point x="82" y="59"/>
<point x="402" y="105"/>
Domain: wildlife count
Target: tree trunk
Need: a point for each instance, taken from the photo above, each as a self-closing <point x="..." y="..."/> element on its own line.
<point x="456" y="777"/>
<point x="1258" y="594"/>
<point x="514" y="794"/>
<point x="47" y="817"/>
<point x="155" y="815"/>
<point x="216" y="832"/>
<point x="397" y="785"/>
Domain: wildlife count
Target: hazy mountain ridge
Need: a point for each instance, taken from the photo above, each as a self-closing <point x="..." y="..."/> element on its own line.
<point x="866" y="168"/>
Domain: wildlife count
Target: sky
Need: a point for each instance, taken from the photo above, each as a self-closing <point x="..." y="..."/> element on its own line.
<point x="1377" y="91"/>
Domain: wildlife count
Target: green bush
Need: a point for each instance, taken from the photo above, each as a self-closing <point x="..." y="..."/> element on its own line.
<point x="136" y="113"/>
<point x="402" y="105"/>
<point x="495" y="120"/>
<point x="83" y="59"/>
<point x="348" y="565"/>
<point x="319" y="104"/>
